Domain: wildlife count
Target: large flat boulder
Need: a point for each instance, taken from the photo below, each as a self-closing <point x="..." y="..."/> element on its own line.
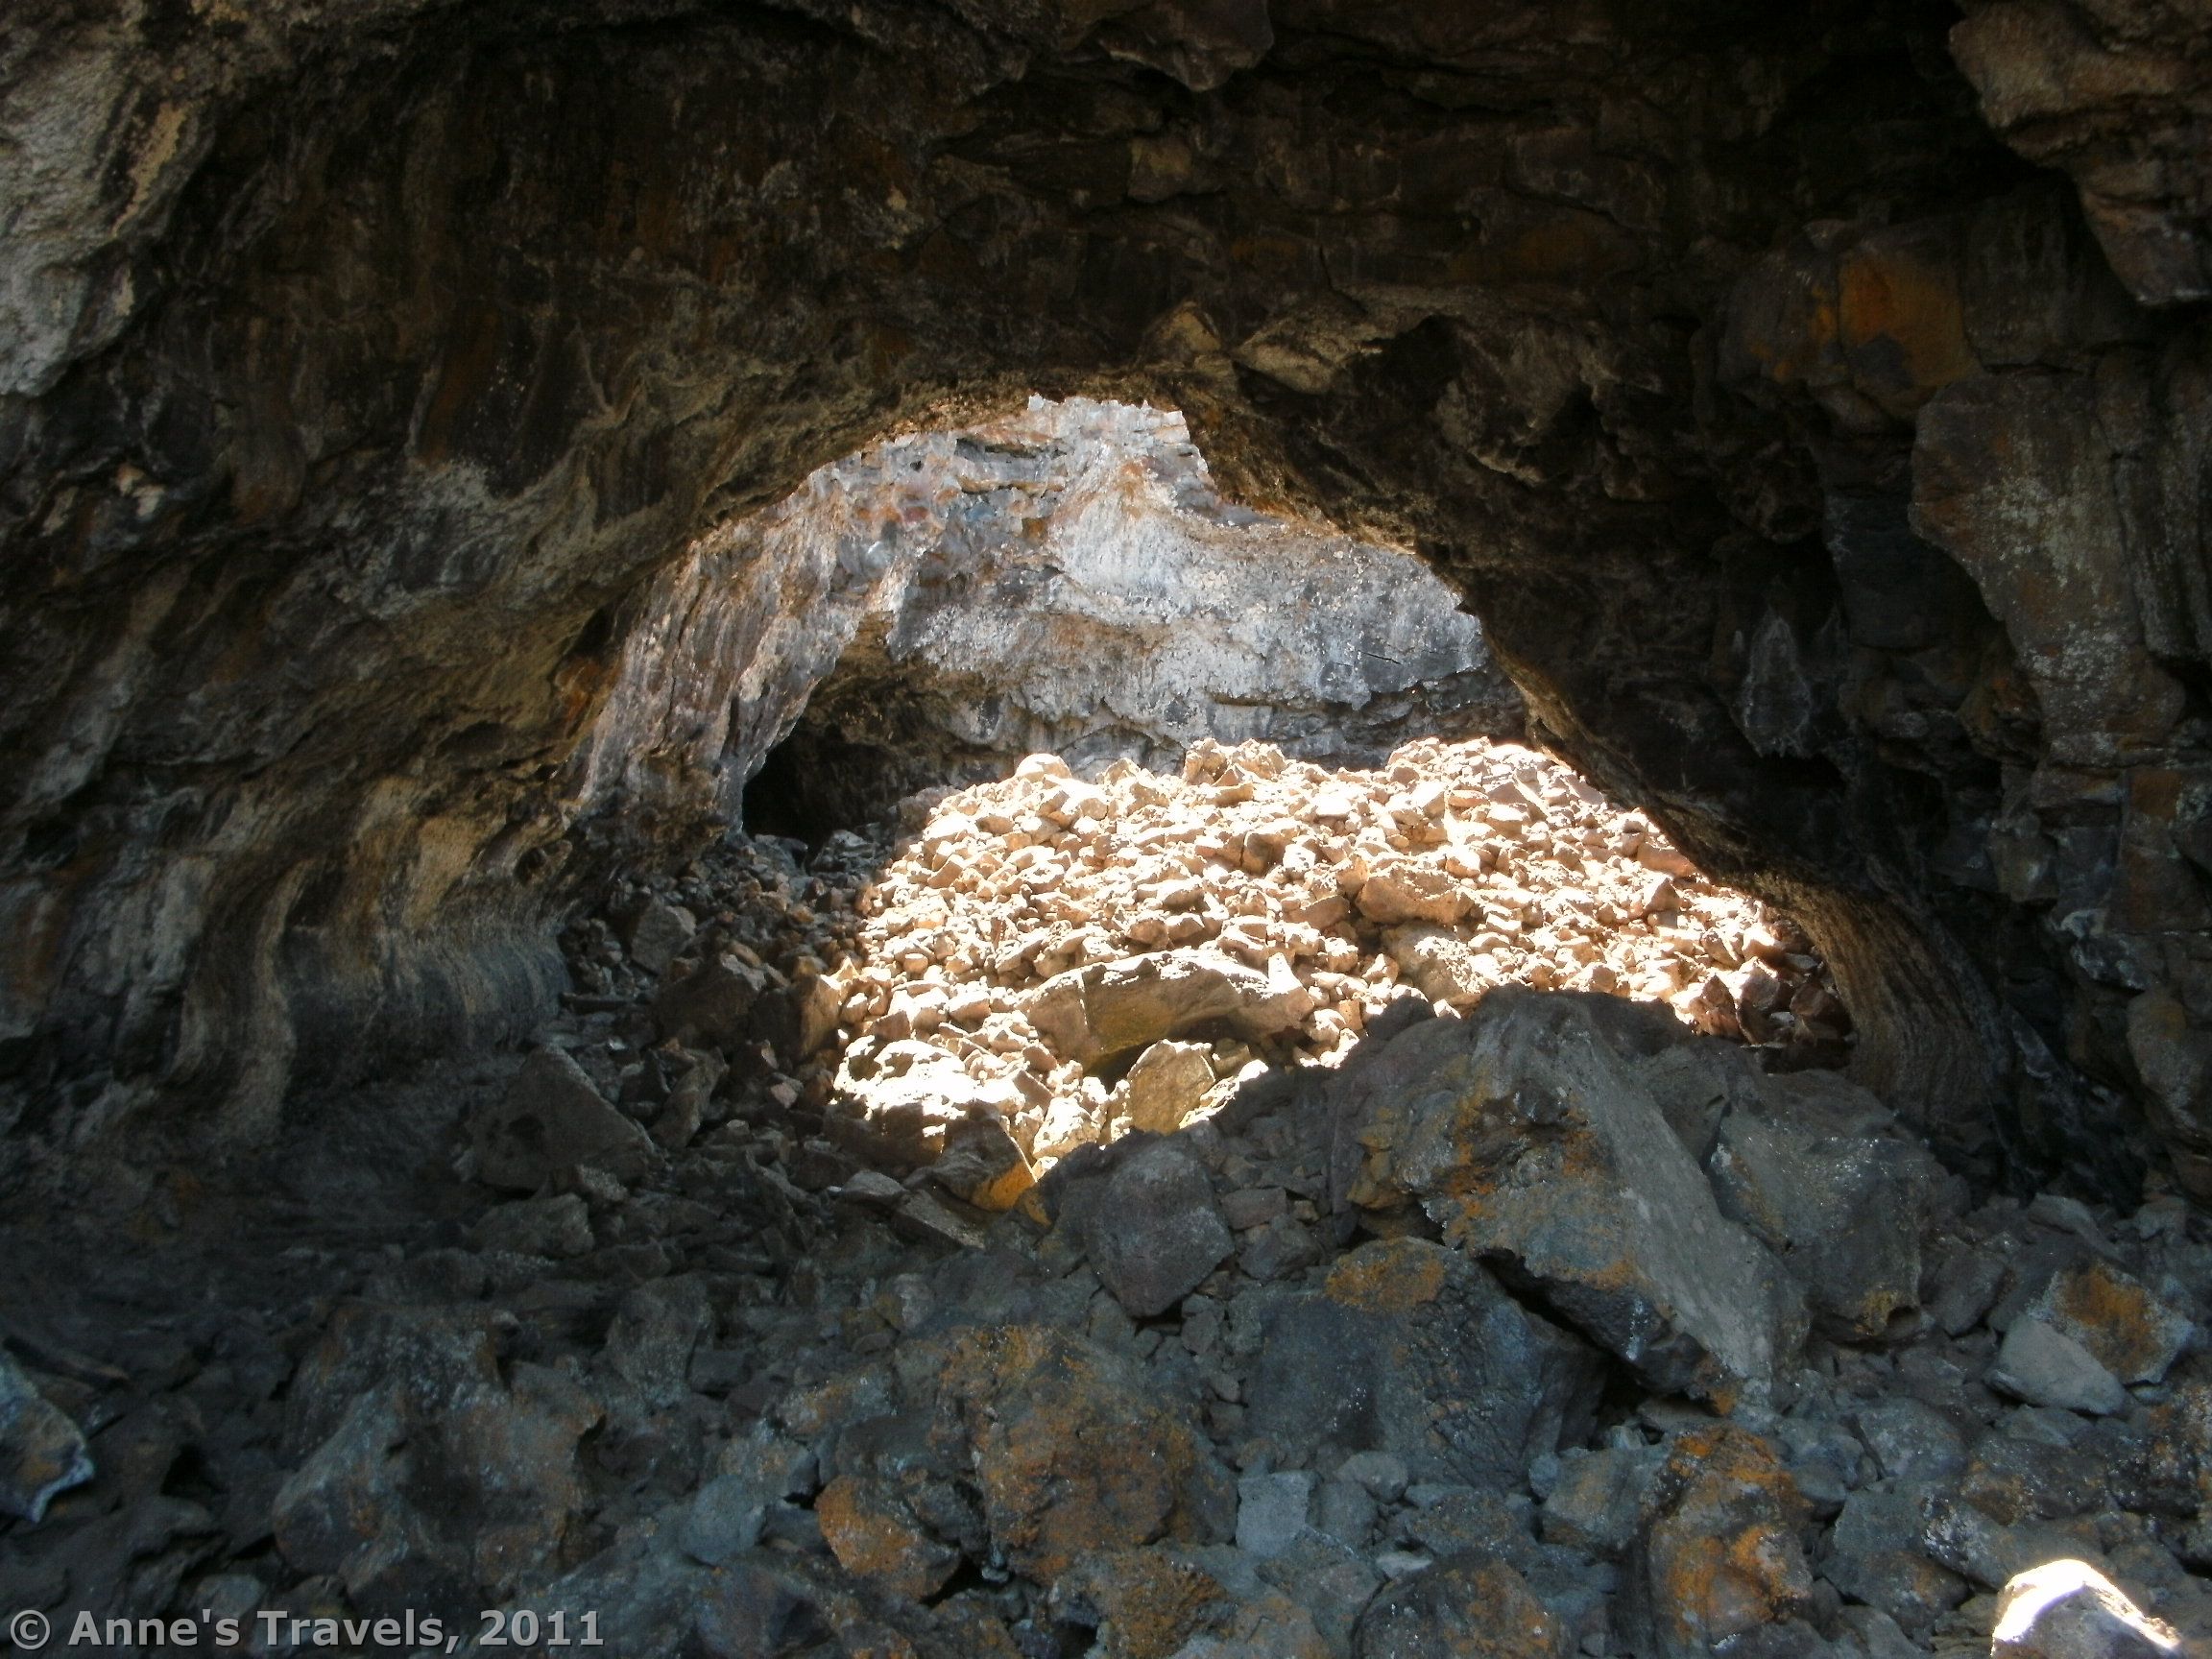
<point x="1091" y="1014"/>
<point x="1535" y="1146"/>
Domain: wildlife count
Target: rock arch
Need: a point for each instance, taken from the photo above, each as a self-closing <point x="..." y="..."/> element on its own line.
<point x="1810" y="469"/>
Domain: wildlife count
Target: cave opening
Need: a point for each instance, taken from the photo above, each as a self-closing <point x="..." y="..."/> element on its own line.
<point x="1060" y="706"/>
<point x="730" y="1054"/>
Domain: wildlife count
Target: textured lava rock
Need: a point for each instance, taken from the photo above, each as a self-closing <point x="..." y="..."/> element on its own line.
<point x="41" y="1451"/>
<point x="1530" y="1142"/>
<point x="552" y="1118"/>
<point x="1411" y="1349"/>
<point x="1828" y="481"/>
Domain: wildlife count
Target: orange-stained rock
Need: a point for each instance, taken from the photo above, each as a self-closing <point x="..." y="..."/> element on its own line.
<point x="2125" y="1329"/>
<point x="1531" y="1139"/>
<point x="1466" y="1606"/>
<point x="1145" y="1603"/>
<point x="873" y="1534"/>
<point x="1722" y="1555"/>
<point x="1074" y="1449"/>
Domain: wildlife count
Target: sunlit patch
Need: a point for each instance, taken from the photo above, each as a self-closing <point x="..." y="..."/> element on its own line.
<point x="2077" y="1594"/>
<point x="1051" y="962"/>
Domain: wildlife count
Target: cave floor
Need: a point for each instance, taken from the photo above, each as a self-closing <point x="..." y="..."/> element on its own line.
<point x="1349" y="1359"/>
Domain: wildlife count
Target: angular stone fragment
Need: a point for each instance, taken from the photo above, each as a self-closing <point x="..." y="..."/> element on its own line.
<point x="1404" y="891"/>
<point x="1154" y="1232"/>
<point x="2069" y="1610"/>
<point x="1535" y="1145"/>
<point x="1722" y="1555"/>
<point x="418" y="1487"/>
<point x="1803" y="1165"/>
<point x="872" y="1533"/>
<point x="658" y="933"/>
<point x="657" y="1326"/>
<point x="1167" y="1084"/>
<point x="712" y="1004"/>
<point x="1878" y="1553"/>
<point x="550" y="1120"/>
<point x="1074" y="1449"/>
<point x="911" y="1097"/>
<point x="2045" y="1367"/>
<point x="1413" y="1350"/>
<point x="1467" y="1606"/>
<point x="1271" y="1510"/>
<point x="559" y="1227"/>
<point x="1441" y="964"/>
<point x="982" y="1165"/>
<point x="1145" y="1603"/>
<point x="2124" y="1329"/>
<point x="41" y="1451"/>
<point x="1598" y="1500"/>
<point x="1089" y="1014"/>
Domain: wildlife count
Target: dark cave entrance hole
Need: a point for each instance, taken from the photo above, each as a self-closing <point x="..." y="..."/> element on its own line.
<point x="818" y="781"/>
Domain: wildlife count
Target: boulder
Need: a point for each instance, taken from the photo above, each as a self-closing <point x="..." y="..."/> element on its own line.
<point x="1441" y="964"/>
<point x="657" y="934"/>
<point x="2124" y="1328"/>
<point x="558" y="1227"/>
<point x="1804" y="1165"/>
<point x="435" y="1470"/>
<point x="1400" y="891"/>
<point x="1073" y="1448"/>
<point x="1411" y="1349"/>
<point x="2045" y="1367"/>
<point x="1089" y="1014"/>
<point x="1597" y="1503"/>
<point x="1467" y="1606"/>
<point x="712" y="1004"/>
<point x="1145" y="1603"/>
<point x="875" y="1536"/>
<point x="907" y="1098"/>
<point x="1152" y="1230"/>
<point x="551" y="1120"/>
<point x="1271" y="1510"/>
<point x="1533" y="1144"/>
<point x="1165" y="1086"/>
<point x="41" y="1453"/>
<point x="982" y="1165"/>
<point x="1722" y="1555"/>
<point x="2069" y="1610"/>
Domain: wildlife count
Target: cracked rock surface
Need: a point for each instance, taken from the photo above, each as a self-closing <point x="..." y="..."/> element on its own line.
<point x="1529" y="1322"/>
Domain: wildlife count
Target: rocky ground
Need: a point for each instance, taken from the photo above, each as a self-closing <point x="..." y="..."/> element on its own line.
<point x="1202" y="1218"/>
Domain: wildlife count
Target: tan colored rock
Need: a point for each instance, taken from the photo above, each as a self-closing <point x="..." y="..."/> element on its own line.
<point x="1167" y="1085"/>
<point x="1402" y="890"/>
<point x="982" y="1165"/>
<point x="1440" y="964"/>
<point x="1091" y="1012"/>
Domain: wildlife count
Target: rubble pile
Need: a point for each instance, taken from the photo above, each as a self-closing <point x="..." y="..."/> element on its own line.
<point x="1079" y="959"/>
<point x="766" y="1311"/>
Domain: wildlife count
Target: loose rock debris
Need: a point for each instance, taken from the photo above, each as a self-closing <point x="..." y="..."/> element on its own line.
<point x="1209" y="1217"/>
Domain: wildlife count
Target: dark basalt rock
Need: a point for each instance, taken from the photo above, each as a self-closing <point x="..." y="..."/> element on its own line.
<point x="1830" y="478"/>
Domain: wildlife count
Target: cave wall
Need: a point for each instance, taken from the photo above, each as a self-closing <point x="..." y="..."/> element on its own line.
<point x="1811" y="404"/>
<point x="933" y="609"/>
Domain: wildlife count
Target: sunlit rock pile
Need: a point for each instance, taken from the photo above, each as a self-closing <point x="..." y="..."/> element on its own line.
<point x="1078" y="959"/>
<point x="1515" y="1324"/>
